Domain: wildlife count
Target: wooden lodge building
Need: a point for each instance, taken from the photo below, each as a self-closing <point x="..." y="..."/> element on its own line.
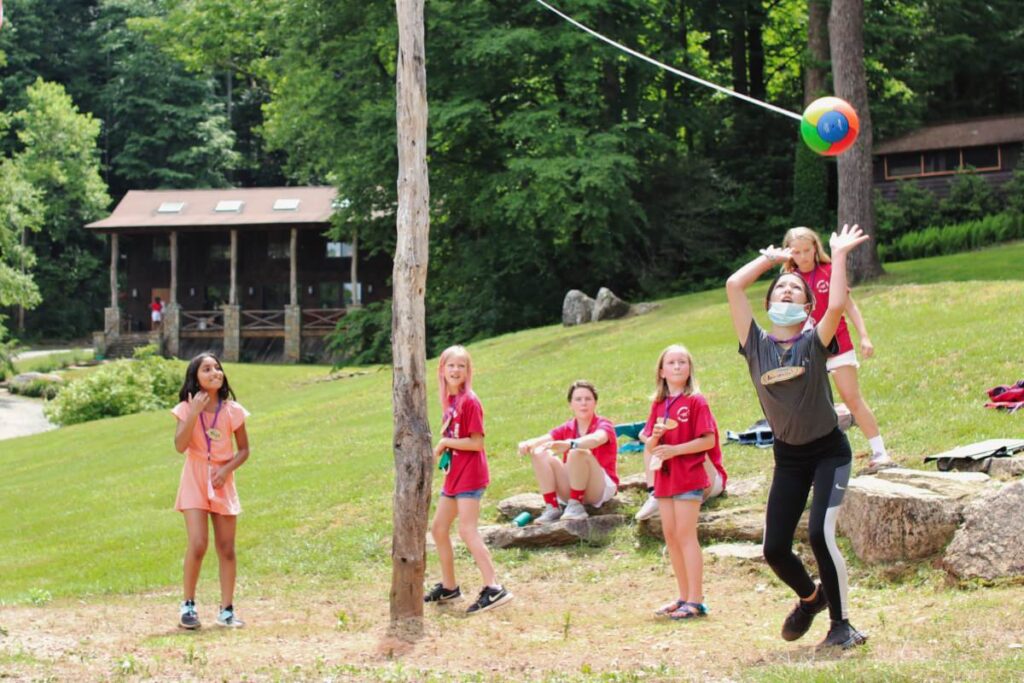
<point x="931" y="156"/>
<point x="246" y="273"/>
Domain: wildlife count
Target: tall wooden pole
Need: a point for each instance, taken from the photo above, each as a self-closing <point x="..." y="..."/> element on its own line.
<point x="293" y="268"/>
<point x="114" y="256"/>
<point x="856" y="205"/>
<point x="233" y="291"/>
<point x="413" y="457"/>
<point x="174" y="268"/>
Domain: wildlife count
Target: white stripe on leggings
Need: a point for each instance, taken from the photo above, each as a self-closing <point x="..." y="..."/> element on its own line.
<point x="837" y="559"/>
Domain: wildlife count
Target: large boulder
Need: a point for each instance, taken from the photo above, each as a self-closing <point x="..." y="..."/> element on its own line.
<point x="607" y="306"/>
<point x="957" y="485"/>
<point x="887" y="520"/>
<point x="534" y="504"/>
<point x="988" y="545"/>
<point x="739" y="551"/>
<point x="732" y="524"/>
<point x="1006" y="468"/>
<point x="593" y="530"/>
<point x="577" y="308"/>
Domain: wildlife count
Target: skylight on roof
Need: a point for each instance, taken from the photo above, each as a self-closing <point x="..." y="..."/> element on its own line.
<point x="171" y="207"/>
<point x="286" y="204"/>
<point x="234" y="205"/>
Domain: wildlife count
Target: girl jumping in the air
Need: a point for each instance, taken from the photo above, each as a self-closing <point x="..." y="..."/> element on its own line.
<point x="788" y="369"/>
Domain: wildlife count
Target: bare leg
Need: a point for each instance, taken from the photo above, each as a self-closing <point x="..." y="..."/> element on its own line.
<point x="441" y="531"/>
<point x="685" y="513"/>
<point x="670" y="527"/>
<point x="198" y="537"/>
<point x="469" y="516"/>
<point x="224" y="539"/>
<point x="585" y="473"/>
<point x="849" y="390"/>
<point x="550" y="473"/>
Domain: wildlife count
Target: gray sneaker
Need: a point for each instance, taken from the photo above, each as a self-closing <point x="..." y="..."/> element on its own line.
<point x="574" y="510"/>
<point x="188" y="618"/>
<point x="648" y="509"/>
<point x="552" y="513"/>
<point x="227" y="618"/>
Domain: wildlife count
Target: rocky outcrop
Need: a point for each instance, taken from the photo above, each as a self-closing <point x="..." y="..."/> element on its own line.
<point x="534" y="504"/>
<point x="577" y="308"/>
<point x="732" y="524"/>
<point x="607" y="306"/>
<point x="988" y="545"/>
<point x="593" y="530"/>
<point x="1006" y="468"/>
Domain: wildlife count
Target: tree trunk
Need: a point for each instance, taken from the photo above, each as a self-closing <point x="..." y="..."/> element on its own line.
<point x="412" y="441"/>
<point x="816" y="62"/>
<point x="755" y="49"/>
<point x="738" y="50"/>
<point x="845" y="26"/>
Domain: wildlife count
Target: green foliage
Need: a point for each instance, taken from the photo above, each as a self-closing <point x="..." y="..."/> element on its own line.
<point x="363" y="336"/>
<point x="36" y="388"/>
<point x="970" y="198"/>
<point x="810" y="189"/>
<point x="123" y="387"/>
<point x="950" y="239"/>
<point x="912" y="208"/>
<point x="58" y="157"/>
<point x="1013" y="191"/>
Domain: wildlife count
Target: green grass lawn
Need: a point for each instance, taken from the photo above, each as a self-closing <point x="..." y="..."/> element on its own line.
<point x="87" y="510"/>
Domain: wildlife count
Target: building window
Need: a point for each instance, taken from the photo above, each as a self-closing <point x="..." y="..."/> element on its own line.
<point x="229" y="206"/>
<point x="278" y="248"/>
<point x="942" y="162"/>
<point x="981" y="158"/>
<point x="161" y="251"/>
<point x="220" y="252"/>
<point x="339" y="250"/>
<point x="286" y="205"/>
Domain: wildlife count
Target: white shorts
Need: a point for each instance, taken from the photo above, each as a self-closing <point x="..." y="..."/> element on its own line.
<point x="717" y="485"/>
<point x="154" y="316"/>
<point x="610" y="489"/>
<point x="847" y="358"/>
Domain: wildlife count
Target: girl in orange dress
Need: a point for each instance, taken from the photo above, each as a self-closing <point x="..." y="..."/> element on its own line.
<point x="207" y="418"/>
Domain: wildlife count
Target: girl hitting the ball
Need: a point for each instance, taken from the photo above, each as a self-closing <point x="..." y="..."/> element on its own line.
<point x="208" y="418"/>
<point x="811" y="263"/>
<point x="460" y="452"/>
<point x="787" y="368"/>
<point x="681" y="448"/>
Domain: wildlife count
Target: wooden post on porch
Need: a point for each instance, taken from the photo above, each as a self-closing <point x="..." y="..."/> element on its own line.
<point x="232" y="311"/>
<point x="412" y="440"/>
<point x="293" y="312"/>
<point x="112" y="315"/>
<point x="172" y="311"/>
<point x="357" y="300"/>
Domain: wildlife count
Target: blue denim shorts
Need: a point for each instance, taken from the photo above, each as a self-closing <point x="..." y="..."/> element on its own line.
<point x="696" y="494"/>
<point x="475" y="494"/>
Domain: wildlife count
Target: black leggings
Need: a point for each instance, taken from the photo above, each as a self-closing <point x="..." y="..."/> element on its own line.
<point x="825" y="464"/>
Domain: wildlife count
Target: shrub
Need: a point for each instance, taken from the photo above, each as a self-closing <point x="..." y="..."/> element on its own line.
<point x="36" y="388"/>
<point x="123" y="387"/>
<point x="363" y="336"/>
<point x="970" y="198"/>
<point x="951" y="239"/>
<point x="913" y="208"/>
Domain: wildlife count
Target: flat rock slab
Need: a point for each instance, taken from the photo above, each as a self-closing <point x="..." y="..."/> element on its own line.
<point x="739" y="551"/>
<point x="1006" y="468"/>
<point x="988" y="545"/>
<point x="593" y="530"/>
<point x="634" y="482"/>
<point x="534" y="504"/>
<point x="957" y="485"/>
<point x="732" y="524"/>
<point x="745" y="487"/>
<point x="888" y="521"/>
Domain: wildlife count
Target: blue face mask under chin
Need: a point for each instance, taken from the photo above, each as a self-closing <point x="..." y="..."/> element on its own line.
<point x="783" y="313"/>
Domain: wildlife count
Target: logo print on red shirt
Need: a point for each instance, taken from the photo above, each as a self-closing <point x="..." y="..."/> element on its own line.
<point x="683" y="413"/>
<point x="822" y="286"/>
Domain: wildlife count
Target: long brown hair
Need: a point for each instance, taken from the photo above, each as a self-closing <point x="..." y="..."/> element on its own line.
<point x="661" y="385"/>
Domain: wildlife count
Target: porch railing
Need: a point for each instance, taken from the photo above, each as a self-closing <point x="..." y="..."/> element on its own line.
<point x="262" y="320"/>
<point x="321" y="319"/>
<point x="202" y="321"/>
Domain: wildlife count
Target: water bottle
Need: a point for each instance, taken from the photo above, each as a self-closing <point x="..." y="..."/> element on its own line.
<point x="522" y="519"/>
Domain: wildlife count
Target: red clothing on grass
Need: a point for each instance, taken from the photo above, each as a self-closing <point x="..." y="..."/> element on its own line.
<point x="469" y="468"/>
<point x="685" y="473"/>
<point x="606" y="454"/>
<point x="819" y="281"/>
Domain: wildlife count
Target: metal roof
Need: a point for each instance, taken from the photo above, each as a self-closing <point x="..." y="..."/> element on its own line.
<point x="153" y="209"/>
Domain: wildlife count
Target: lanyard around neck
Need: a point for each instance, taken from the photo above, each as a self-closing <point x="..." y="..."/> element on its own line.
<point x="212" y="428"/>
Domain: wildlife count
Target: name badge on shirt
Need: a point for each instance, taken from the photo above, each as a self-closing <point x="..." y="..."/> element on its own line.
<point x="213" y="434"/>
<point x="783" y="374"/>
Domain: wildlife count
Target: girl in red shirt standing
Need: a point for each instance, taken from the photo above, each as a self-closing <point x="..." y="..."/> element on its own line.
<point x="461" y="454"/>
<point x="810" y="262"/>
<point x="680" y="437"/>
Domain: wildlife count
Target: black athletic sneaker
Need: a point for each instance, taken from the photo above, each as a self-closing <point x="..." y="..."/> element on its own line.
<point x="799" y="620"/>
<point x="489" y="599"/>
<point x="441" y="594"/>
<point x="842" y="634"/>
<point x="189" y="618"/>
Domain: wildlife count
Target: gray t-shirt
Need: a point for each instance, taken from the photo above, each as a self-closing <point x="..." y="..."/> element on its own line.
<point x="799" y="410"/>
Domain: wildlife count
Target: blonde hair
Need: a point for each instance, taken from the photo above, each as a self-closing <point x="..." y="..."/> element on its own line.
<point x="467" y="386"/>
<point x="801" y="233"/>
<point x="661" y="385"/>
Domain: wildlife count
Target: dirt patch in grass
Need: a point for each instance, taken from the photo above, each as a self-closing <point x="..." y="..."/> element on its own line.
<point x="577" y="615"/>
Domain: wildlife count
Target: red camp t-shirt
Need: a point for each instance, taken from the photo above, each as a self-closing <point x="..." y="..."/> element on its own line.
<point x="684" y="473"/>
<point x="606" y="454"/>
<point x="469" y="468"/>
<point x="819" y="281"/>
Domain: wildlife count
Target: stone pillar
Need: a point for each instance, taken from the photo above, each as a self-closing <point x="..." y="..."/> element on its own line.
<point x="292" y="334"/>
<point x="232" y="333"/>
<point x="112" y="322"/>
<point x="172" y="329"/>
